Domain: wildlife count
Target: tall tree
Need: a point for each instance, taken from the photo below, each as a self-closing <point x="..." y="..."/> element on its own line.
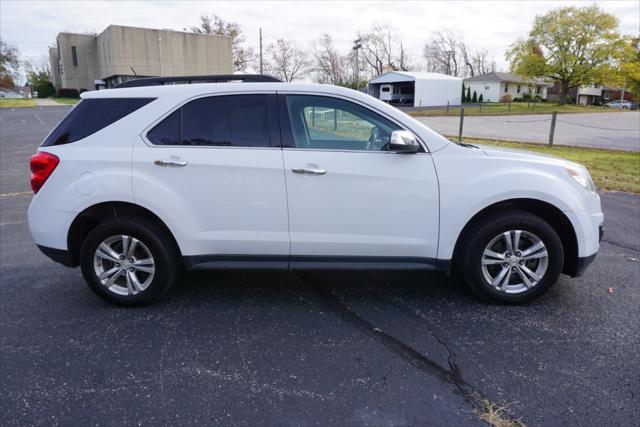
<point x="329" y="66"/>
<point x="9" y="65"/>
<point x="215" y="25"/>
<point x="569" y="45"/>
<point x="626" y="72"/>
<point x="383" y="50"/>
<point x="447" y="52"/>
<point x="442" y="53"/>
<point x="286" y="61"/>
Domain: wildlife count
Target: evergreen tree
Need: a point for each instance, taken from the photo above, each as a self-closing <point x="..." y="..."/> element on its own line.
<point x="475" y="97"/>
<point x="468" y="98"/>
<point x="462" y="99"/>
<point x="480" y="99"/>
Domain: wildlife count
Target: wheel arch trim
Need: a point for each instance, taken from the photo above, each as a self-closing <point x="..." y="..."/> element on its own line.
<point x="96" y="213"/>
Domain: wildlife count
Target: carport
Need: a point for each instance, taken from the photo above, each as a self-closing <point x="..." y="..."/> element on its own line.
<point x="418" y="88"/>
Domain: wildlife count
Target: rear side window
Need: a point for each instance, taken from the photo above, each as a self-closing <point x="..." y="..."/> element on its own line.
<point x="91" y="115"/>
<point x="222" y="121"/>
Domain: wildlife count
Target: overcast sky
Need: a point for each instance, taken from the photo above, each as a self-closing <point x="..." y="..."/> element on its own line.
<point x="32" y="25"/>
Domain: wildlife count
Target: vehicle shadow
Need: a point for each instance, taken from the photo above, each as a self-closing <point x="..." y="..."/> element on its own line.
<point x="202" y="286"/>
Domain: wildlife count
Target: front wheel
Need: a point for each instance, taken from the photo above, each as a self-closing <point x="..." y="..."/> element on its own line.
<point x="512" y="257"/>
<point x="128" y="261"/>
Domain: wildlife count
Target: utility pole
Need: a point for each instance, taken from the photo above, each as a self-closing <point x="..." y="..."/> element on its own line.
<point x="160" y="51"/>
<point x="260" y="50"/>
<point x="356" y="46"/>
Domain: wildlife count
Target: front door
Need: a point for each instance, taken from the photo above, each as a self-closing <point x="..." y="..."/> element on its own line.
<point x="348" y="196"/>
<point x="213" y="170"/>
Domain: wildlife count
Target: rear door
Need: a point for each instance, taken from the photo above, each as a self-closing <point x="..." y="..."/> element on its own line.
<point x="213" y="169"/>
<point x="349" y="198"/>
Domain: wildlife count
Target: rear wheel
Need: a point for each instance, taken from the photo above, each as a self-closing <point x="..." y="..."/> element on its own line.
<point x="128" y="261"/>
<point x="512" y="257"/>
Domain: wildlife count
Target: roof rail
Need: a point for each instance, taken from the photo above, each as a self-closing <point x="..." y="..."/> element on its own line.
<point x="158" y="81"/>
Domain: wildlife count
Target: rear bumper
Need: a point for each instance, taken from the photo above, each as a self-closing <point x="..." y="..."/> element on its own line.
<point x="58" y="255"/>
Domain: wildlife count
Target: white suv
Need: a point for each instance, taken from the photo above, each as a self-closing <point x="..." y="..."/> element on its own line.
<point x="135" y="182"/>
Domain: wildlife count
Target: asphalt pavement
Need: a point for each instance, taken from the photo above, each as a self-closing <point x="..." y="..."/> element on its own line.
<point x="615" y="131"/>
<point x="329" y="348"/>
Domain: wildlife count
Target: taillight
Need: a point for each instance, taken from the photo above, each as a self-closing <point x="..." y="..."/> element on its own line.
<point x="42" y="164"/>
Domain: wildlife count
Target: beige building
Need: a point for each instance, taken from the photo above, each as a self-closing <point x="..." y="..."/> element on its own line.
<point x="89" y="61"/>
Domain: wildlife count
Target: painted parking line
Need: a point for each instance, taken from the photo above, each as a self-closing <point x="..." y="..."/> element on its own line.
<point x="20" y="193"/>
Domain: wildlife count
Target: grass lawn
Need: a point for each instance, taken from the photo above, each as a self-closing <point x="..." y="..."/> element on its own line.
<point x="496" y="109"/>
<point x="17" y="102"/>
<point x="69" y="101"/>
<point x="610" y="169"/>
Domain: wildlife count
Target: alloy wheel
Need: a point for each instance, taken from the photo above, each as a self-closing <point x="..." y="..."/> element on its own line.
<point x="124" y="265"/>
<point x="514" y="261"/>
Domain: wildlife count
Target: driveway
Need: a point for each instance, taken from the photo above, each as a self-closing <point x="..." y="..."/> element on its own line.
<point x="618" y="131"/>
<point x="328" y="348"/>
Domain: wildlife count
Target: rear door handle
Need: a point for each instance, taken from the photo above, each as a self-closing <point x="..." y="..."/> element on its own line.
<point x="178" y="163"/>
<point x="310" y="171"/>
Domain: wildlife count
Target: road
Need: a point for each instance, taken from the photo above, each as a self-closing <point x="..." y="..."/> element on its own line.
<point x="616" y="131"/>
<point x="330" y="348"/>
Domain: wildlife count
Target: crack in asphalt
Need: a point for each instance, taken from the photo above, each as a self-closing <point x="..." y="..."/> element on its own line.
<point x="629" y="248"/>
<point x="409" y="354"/>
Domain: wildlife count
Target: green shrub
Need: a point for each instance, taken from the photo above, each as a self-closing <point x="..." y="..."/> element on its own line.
<point x="68" y="93"/>
<point x="45" y="89"/>
<point x="474" y="99"/>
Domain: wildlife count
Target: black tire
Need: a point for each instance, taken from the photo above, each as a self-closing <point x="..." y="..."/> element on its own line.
<point x="484" y="231"/>
<point x="154" y="240"/>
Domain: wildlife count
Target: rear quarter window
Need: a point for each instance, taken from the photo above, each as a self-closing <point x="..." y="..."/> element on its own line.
<point x="91" y="115"/>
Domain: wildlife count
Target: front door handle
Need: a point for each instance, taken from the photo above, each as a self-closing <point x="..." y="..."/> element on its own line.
<point x="178" y="163"/>
<point x="310" y="171"/>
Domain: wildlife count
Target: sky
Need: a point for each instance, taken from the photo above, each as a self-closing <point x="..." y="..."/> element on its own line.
<point x="32" y="26"/>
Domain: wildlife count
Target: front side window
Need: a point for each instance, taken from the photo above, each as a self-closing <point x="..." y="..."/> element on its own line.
<point x="518" y="89"/>
<point x="319" y="122"/>
<point x="221" y="121"/>
<point x="506" y="88"/>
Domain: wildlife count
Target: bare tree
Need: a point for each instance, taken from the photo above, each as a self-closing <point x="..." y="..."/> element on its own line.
<point x="442" y="53"/>
<point x="215" y="25"/>
<point x="329" y="66"/>
<point x="447" y="52"/>
<point x="286" y="61"/>
<point x="481" y="62"/>
<point x="383" y="50"/>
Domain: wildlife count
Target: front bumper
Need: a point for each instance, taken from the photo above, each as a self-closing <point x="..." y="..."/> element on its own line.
<point x="584" y="262"/>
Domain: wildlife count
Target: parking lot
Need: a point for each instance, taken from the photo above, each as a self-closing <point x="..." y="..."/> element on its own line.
<point x="614" y="131"/>
<point x="381" y="348"/>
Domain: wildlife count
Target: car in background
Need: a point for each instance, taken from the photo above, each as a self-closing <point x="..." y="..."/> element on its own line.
<point x="627" y="105"/>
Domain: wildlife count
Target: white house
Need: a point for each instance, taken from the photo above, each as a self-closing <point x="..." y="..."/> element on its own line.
<point x="416" y="88"/>
<point x="494" y="86"/>
<point x="9" y="93"/>
<point x="594" y="94"/>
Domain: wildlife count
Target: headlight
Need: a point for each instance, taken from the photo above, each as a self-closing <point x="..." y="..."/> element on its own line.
<point x="581" y="175"/>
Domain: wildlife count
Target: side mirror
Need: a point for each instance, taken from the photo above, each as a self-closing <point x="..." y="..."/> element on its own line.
<point x="404" y="142"/>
